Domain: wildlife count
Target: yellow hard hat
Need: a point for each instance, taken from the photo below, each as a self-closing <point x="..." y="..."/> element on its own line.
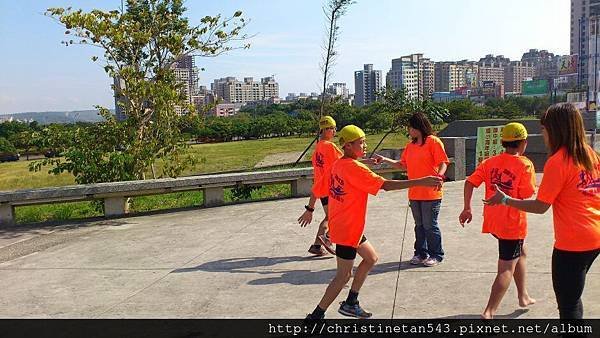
<point x="514" y="131"/>
<point x="350" y="133"/>
<point x="326" y="122"/>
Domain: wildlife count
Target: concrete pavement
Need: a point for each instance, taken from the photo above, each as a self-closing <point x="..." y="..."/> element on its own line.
<point x="250" y="261"/>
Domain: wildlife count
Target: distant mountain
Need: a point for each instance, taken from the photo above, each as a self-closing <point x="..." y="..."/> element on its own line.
<point x="56" y="116"/>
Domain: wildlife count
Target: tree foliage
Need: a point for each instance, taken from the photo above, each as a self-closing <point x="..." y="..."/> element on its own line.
<point x="6" y="147"/>
<point x="139" y="49"/>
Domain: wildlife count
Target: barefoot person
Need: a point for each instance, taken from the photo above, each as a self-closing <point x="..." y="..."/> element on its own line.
<point x="514" y="174"/>
<point x="423" y="156"/>
<point x="351" y="183"/>
<point x="326" y="152"/>
<point x="571" y="185"/>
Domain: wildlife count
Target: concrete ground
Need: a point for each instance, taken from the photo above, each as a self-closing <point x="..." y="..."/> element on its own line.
<point x="250" y="261"/>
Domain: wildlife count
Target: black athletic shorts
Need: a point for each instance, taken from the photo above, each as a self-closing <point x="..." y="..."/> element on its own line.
<point x="509" y="249"/>
<point x="324" y="200"/>
<point x="348" y="252"/>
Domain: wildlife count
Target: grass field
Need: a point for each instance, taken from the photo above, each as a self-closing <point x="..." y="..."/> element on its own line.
<point x="213" y="158"/>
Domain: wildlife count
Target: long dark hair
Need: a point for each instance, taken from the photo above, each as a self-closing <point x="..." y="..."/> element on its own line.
<point x="420" y="122"/>
<point x="564" y="125"/>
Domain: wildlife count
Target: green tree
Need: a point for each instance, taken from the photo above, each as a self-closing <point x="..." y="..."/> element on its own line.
<point x="397" y="107"/>
<point x="6" y="147"/>
<point x="139" y="48"/>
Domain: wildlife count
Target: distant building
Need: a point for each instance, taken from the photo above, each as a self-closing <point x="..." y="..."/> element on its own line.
<point x="367" y="84"/>
<point x="338" y="90"/>
<point x="449" y="76"/>
<point x="447" y="96"/>
<point x="186" y="75"/>
<point x="404" y="74"/>
<point x="225" y="109"/>
<point x="230" y="90"/>
<point x="515" y="73"/>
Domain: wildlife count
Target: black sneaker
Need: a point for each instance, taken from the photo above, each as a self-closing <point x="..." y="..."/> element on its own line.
<point x="353" y="310"/>
<point x="317" y="250"/>
<point x="312" y="320"/>
<point x="326" y="243"/>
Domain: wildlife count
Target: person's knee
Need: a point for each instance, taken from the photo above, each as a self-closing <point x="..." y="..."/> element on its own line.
<point x="371" y="260"/>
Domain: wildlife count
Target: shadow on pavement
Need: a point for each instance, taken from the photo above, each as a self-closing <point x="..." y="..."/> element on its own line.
<point x="295" y="277"/>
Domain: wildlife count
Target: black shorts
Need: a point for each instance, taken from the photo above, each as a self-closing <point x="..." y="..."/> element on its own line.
<point x="348" y="252"/>
<point x="324" y="200"/>
<point x="509" y="249"/>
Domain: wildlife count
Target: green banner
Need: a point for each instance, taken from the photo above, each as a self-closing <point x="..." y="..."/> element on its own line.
<point x="535" y="87"/>
<point x="489" y="142"/>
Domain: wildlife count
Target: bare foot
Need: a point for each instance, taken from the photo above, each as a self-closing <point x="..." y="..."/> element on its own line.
<point x="526" y="301"/>
<point x="487" y="315"/>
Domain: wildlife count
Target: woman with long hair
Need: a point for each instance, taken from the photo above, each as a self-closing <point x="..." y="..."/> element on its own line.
<point x="423" y="156"/>
<point x="571" y="185"/>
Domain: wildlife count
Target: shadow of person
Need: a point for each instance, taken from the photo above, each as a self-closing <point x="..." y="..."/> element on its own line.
<point x="246" y="264"/>
<point x="514" y="315"/>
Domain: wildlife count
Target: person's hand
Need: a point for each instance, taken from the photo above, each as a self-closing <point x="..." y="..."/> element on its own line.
<point x="465" y="217"/>
<point x="305" y="219"/>
<point x="431" y="181"/>
<point x="497" y="198"/>
<point x="368" y="161"/>
<point x="377" y="159"/>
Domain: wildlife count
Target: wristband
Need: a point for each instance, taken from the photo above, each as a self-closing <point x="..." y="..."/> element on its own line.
<point x="309" y="208"/>
<point x="504" y="200"/>
<point x="443" y="177"/>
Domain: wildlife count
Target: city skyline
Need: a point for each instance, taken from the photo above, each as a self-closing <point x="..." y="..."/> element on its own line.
<point x="42" y="75"/>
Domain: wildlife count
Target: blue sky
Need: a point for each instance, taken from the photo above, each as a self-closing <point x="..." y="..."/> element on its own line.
<point x="40" y="74"/>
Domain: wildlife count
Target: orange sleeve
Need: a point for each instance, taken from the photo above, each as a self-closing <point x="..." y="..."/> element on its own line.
<point x="527" y="184"/>
<point x="478" y="176"/>
<point x="361" y="177"/>
<point x="439" y="153"/>
<point x="553" y="181"/>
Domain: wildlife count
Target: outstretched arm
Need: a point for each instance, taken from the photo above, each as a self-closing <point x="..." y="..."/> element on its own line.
<point x="395" y="163"/>
<point x="532" y="206"/>
<point x="429" y="181"/>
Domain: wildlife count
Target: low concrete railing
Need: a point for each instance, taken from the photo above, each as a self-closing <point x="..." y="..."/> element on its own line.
<point x="115" y="194"/>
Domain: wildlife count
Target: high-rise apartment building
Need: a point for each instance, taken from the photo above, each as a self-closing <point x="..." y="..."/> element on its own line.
<point x="230" y="90"/>
<point x="404" y="74"/>
<point x="338" y="89"/>
<point x="186" y="75"/>
<point x="515" y="73"/>
<point x="367" y="83"/>
<point x="449" y="76"/>
<point x="581" y="12"/>
<point x="414" y="73"/>
<point x="491" y="68"/>
<point x="544" y="62"/>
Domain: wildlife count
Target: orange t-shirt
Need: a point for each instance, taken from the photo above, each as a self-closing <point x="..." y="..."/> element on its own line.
<point x="575" y="198"/>
<point x="322" y="159"/>
<point x="351" y="182"/>
<point x="515" y="176"/>
<point x="421" y="161"/>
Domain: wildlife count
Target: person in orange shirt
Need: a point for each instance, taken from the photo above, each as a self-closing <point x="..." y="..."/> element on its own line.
<point x="351" y="183"/>
<point x="326" y="152"/>
<point x="423" y="156"/>
<point x="515" y="175"/>
<point x="571" y="185"/>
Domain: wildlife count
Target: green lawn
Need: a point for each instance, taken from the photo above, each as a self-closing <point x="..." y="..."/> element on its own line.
<point x="216" y="157"/>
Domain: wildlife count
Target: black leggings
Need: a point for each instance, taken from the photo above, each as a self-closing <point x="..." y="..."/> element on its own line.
<point x="568" y="279"/>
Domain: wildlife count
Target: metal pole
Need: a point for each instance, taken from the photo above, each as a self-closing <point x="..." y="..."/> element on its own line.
<point x="595" y="60"/>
